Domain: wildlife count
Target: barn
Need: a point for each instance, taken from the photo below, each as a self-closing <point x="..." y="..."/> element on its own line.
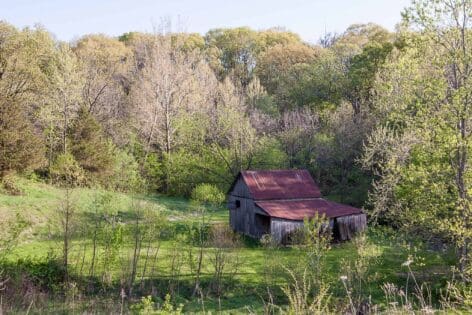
<point x="277" y="201"/>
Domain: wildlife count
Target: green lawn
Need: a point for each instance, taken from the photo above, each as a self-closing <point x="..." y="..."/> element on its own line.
<point x="247" y="288"/>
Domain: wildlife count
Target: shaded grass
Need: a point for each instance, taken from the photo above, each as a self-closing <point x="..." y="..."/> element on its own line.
<point x="39" y="203"/>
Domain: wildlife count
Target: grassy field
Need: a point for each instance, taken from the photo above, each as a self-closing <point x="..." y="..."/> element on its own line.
<point x="246" y="290"/>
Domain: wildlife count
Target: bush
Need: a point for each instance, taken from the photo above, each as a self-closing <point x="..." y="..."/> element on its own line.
<point x="198" y="233"/>
<point x="45" y="272"/>
<point x="207" y="194"/>
<point x="147" y="306"/>
<point x="66" y="171"/>
<point x="126" y="176"/>
<point x="8" y="185"/>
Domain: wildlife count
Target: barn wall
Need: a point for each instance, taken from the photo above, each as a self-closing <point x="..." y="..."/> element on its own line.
<point x="240" y="189"/>
<point x="279" y="228"/>
<point x="348" y="226"/>
<point x="242" y="219"/>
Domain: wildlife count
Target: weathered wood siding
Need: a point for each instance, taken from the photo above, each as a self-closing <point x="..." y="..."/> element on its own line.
<point x="280" y="228"/>
<point x="243" y="219"/>
<point x="240" y="189"/>
<point x="348" y="226"/>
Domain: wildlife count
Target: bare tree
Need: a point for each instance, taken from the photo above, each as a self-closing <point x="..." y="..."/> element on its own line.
<point x="67" y="217"/>
<point x="64" y="99"/>
<point x="224" y="262"/>
<point x="106" y="64"/>
<point x="233" y="139"/>
<point x="169" y="82"/>
<point x="297" y="129"/>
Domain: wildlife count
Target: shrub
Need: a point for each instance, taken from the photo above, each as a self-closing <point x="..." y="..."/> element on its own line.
<point x="126" y="176"/>
<point x="207" y="194"/>
<point x="147" y="306"/>
<point x="8" y="185"/>
<point x="66" y="171"/>
<point x="44" y="272"/>
<point x="457" y="295"/>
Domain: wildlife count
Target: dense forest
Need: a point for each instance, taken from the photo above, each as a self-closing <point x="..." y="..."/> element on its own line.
<point x="382" y="120"/>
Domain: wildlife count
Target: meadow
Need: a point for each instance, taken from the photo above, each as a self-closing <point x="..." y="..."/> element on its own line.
<point x="160" y="255"/>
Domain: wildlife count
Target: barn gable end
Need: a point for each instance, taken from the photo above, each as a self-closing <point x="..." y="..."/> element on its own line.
<point x="243" y="210"/>
<point x="239" y="188"/>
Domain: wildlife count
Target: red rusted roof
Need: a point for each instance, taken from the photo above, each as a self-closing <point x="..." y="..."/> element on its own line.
<point x="281" y="184"/>
<point x="301" y="209"/>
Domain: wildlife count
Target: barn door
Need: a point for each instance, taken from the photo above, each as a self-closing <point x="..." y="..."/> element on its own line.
<point x="336" y="233"/>
<point x="262" y="224"/>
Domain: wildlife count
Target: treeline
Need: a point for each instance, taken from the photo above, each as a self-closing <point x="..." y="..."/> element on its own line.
<point x="169" y="110"/>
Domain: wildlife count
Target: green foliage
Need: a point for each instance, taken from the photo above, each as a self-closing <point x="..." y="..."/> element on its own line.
<point x="126" y="173"/>
<point x="208" y="194"/>
<point x="359" y="272"/>
<point x="47" y="272"/>
<point x="421" y="151"/>
<point x="267" y="105"/>
<point x="457" y="295"/>
<point x="147" y="306"/>
<point x="269" y="155"/>
<point x="153" y="172"/>
<point x="10" y="232"/>
<point x="107" y="233"/>
<point x="319" y="84"/>
<point x="182" y="175"/>
<point x="66" y="171"/>
<point x="276" y="68"/>
<point x="188" y="42"/>
<point x="21" y="148"/>
<point x="363" y="70"/>
<point x="316" y="239"/>
<point x="9" y="186"/>
<point x="90" y="149"/>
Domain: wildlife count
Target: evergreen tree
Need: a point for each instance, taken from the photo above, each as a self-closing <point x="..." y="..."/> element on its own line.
<point x="90" y="148"/>
<point x="20" y="148"/>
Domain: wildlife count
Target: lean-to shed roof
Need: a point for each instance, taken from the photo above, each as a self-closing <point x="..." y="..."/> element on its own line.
<point x="301" y="209"/>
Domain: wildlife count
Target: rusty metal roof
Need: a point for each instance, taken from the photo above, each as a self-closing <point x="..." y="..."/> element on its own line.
<point x="301" y="209"/>
<point x="280" y="184"/>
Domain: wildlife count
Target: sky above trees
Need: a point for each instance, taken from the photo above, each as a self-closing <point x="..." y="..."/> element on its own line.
<point x="309" y="18"/>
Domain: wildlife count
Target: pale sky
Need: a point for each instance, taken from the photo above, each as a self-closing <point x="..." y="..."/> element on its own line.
<point x="309" y="18"/>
